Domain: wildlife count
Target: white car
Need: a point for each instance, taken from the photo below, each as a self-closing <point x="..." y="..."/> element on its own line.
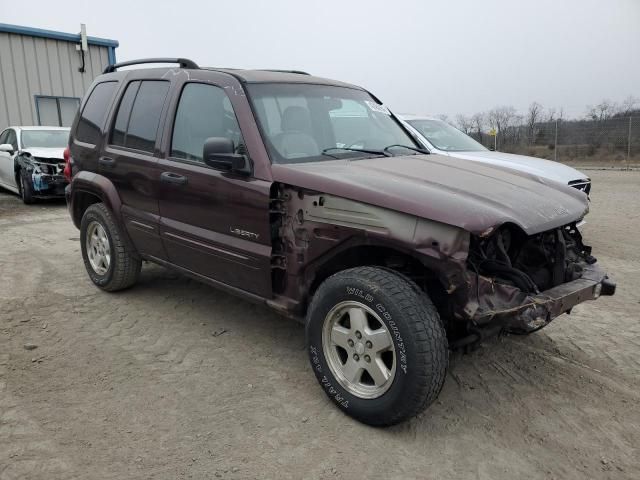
<point x="32" y="161"/>
<point x="441" y="138"/>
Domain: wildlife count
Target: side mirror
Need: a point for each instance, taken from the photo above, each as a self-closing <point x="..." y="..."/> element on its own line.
<point x="6" y="148"/>
<point x="219" y="153"/>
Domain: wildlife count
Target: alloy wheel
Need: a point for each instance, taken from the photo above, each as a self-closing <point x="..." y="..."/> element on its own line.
<point x="359" y="349"/>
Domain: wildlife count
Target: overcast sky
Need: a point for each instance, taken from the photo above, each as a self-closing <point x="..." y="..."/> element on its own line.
<point x="417" y="56"/>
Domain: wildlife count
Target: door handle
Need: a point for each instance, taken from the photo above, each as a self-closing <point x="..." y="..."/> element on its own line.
<point x="106" y="162"/>
<point x="174" y="178"/>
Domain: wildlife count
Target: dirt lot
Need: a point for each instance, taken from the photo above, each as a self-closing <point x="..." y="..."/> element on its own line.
<point x="136" y="384"/>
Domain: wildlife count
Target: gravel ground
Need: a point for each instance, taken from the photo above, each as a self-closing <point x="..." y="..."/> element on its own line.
<point x="173" y="379"/>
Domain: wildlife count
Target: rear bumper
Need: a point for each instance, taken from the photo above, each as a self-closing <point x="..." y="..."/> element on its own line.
<point x="518" y="311"/>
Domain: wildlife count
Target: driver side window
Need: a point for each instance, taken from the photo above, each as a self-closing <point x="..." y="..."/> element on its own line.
<point x="204" y="111"/>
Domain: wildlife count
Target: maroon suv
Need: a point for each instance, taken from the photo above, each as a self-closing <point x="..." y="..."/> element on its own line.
<point x="309" y="196"/>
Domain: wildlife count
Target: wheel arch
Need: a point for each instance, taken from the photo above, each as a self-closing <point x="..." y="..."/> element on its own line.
<point x="88" y="188"/>
<point x="389" y="256"/>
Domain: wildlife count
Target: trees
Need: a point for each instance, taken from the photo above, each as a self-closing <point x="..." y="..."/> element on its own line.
<point x="606" y="128"/>
<point x="534" y="115"/>
<point x="505" y="120"/>
<point x="465" y="124"/>
<point x="478" y="121"/>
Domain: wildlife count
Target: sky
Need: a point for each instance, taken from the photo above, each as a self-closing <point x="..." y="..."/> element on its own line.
<point x="422" y="57"/>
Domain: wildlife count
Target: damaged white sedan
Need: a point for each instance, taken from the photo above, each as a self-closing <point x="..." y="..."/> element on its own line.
<point x="32" y="161"/>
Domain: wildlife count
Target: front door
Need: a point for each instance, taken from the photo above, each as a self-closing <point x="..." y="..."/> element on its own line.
<point x="213" y="223"/>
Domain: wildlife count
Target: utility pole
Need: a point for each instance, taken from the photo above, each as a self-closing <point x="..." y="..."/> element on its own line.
<point x="555" y="144"/>
<point x="629" y="143"/>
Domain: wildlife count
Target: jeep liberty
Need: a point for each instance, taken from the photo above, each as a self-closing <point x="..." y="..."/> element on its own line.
<point x="308" y="195"/>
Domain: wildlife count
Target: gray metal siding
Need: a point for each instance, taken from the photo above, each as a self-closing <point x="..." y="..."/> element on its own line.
<point x="31" y="66"/>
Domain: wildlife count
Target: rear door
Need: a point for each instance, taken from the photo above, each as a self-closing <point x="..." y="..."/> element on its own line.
<point x="213" y="223"/>
<point x="130" y="160"/>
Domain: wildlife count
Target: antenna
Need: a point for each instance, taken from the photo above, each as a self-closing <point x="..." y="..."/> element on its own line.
<point x="84" y="46"/>
<point x="83" y="38"/>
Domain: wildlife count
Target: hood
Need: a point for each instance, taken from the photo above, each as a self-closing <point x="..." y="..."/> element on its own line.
<point x="475" y="197"/>
<point x="532" y="165"/>
<point x="57" y="153"/>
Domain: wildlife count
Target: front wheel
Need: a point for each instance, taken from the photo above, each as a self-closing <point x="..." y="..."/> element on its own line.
<point x="26" y="188"/>
<point x="376" y="344"/>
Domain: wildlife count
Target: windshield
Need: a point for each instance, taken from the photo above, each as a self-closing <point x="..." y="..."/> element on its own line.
<point x="445" y="137"/>
<point x="45" y="138"/>
<point x="307" y="123"/>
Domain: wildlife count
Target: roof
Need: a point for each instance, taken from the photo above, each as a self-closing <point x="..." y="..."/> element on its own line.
<point x="68" y="37"/>
<point x="273" y="76"/>
<point x="33" y="127"/>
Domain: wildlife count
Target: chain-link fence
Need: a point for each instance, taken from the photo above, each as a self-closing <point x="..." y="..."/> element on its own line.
<point x="614" y="140"/>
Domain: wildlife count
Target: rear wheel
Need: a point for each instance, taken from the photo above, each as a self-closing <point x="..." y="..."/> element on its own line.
<point x="109" y="261"/>
<point x="376" y="345"/>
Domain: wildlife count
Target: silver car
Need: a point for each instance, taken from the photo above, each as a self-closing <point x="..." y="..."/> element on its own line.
<point x="32" y="161"/>
<point x="441" y="138"/>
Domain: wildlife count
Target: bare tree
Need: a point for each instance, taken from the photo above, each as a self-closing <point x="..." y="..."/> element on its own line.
<point x="629" y="105"/>
<point x="603" y="111"/>
<point x="504" y="120"/>
<point x="443" y="117"/>
<point x="534" y="115"/>
<point x="478" y="120"/>
<point x="465" y="124"/>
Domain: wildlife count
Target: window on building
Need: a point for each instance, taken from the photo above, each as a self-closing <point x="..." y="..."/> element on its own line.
<point x="57" y="111"/>
<point x="138" y="116"/>
<point x="94" y="113"/>
<point x="204" y="111"/>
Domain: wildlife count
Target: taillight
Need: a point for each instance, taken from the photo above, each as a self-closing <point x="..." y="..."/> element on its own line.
<point x="67" y="164"/>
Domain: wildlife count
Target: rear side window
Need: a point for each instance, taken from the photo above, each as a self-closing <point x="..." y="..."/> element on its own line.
<point x="138" y="117"/>
<point x="94" y="113"/>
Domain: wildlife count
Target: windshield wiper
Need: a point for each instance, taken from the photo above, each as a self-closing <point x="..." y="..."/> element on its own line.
<point x="363" y="150"/>
<point x="415" y="149"/>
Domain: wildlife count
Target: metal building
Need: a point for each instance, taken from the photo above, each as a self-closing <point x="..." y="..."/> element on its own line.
<point x="44" y="74"/>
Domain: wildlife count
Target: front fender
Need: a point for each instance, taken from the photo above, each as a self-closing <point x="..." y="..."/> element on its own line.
<point x="22" y="161"/>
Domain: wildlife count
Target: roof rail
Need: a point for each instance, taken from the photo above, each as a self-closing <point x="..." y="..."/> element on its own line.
<point x="183" y="62"/>
<point x="299" y="72"/>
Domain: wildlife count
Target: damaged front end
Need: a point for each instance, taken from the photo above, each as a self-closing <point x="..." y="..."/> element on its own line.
<point x="521" y="283"/>
<point x="45" y="175"/>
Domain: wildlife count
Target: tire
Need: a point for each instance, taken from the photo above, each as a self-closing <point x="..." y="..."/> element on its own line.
<point x="26" y="188"/>
<point x="391" y="303"/>
<point x="123" y="266"/>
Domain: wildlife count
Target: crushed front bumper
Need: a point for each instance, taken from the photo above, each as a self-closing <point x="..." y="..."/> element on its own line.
<point x="492" y="302"/>
<point x="48" y="186"/>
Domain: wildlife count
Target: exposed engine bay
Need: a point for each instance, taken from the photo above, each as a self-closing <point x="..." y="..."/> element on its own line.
<point x="532" y="264"/>
<point x="524" y="282"/>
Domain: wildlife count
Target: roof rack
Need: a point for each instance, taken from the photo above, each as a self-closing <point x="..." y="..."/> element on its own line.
<point x="299" y="72"/>
<point x="183" y="62"/>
